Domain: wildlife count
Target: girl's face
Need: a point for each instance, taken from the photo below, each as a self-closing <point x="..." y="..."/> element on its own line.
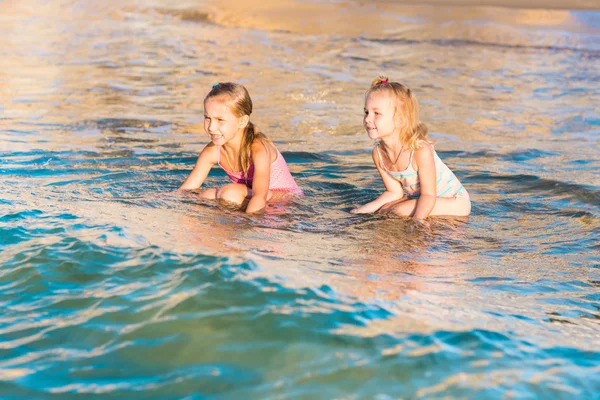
<point x="221" y="124"/>
<point x="379" y="119"/>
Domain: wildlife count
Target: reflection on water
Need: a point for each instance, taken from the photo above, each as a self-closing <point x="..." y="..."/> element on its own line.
<point x="111" y="284"/>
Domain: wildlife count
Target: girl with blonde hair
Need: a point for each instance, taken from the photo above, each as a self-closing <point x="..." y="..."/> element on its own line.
<point x="254" y="165"/>
<point x="417" y="183"/>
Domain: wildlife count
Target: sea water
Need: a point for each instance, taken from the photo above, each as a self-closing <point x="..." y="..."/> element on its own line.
<point x="113" y="286"/>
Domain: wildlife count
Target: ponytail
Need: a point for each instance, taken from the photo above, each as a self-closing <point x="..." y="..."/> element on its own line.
<point x="380" y="80"/>
<point x="251" y="133"/>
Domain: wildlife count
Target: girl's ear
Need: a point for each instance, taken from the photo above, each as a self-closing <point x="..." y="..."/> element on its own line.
<point x="244" y="121"/>
<point x="398" y="121"/>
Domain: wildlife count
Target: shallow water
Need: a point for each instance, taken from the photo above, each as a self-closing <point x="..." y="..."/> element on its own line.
<point x="113" y="286"/>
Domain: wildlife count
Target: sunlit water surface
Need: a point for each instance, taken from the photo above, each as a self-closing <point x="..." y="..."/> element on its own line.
<point x="112" y="285"/>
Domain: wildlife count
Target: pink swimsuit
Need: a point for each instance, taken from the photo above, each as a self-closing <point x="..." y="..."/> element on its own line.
<point x="281" y="179"/>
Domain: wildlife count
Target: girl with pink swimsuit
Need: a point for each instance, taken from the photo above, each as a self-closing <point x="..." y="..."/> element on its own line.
<point x="254" y="165"/>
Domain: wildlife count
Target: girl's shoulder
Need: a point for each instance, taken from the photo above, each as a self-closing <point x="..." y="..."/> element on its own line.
<point x="263" y="147"/>
<point x="424" y="152"/>
<point x="263" y="144"/>
<point x="210" y="148"/>
<point x="210" y="153"/>
<point x="424" y="145"/>
<point x="375" y="152"/>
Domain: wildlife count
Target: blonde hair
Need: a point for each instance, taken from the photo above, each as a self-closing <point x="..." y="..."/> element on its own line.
<point x="239" y="102"/>
<point x="412" y="130"/>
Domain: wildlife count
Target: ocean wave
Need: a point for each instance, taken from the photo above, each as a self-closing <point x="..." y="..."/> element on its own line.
<point x="587" y="53"/>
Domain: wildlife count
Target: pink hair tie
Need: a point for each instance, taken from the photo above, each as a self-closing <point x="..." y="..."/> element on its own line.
<point x="384" y="81"/>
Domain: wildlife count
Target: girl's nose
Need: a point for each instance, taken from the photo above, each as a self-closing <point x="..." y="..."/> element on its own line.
<point x="211" y="126"/>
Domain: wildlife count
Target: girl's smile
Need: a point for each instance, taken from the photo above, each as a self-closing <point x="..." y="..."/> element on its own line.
<point x="215" y="137"/>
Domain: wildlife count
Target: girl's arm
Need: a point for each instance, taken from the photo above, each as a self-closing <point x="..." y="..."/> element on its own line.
<point x="393" y="191"/>
<point x="261" y="158"/>
<point x="207" y="158"/>
<point x="425" y="163"/>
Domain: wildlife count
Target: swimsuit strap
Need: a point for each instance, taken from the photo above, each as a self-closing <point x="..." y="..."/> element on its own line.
<point x="380" y="158"/>
<point x="410" y="159"/>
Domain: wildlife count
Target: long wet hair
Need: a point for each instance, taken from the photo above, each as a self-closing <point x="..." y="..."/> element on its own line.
<point x="406" y="104"/>
<point x="239" y="102"/>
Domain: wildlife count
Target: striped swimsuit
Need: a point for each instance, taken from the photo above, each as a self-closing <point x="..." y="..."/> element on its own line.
<point x="281" y="179"/>
<point x="447" y="184"/>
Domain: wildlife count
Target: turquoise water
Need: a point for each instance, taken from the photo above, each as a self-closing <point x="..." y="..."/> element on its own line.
<point x="111" y="286"/>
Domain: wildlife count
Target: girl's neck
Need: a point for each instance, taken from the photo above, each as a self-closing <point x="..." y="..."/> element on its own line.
<point x="234" y="145"/>
<point x="392" y="145"/>
<point x="232" y="153"/>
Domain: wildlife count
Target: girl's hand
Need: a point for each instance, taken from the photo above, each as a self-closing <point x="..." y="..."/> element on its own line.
<point x="421" y="224"/>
